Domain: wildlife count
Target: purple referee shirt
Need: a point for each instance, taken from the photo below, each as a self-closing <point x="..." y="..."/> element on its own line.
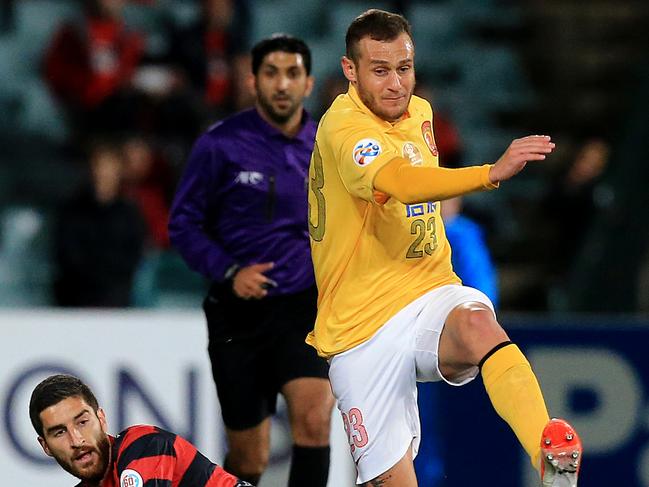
<point x="243" y="199"/>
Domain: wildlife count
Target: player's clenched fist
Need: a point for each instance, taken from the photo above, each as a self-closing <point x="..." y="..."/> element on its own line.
<point x="517" y="155"/>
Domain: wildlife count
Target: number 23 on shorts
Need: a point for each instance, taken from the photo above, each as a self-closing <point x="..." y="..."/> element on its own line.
<point x="356" y="432"/>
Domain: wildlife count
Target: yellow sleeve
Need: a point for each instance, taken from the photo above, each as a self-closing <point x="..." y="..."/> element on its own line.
<point x="360" y="152"/>
<point x="415" y="184"/>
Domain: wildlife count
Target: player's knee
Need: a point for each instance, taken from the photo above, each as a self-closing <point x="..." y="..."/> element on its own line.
<point x="248" y="462"/>
<point x="487" y="333"/>
<point x="249" y="471"/>
<point x="479" y="333"/>
<point x="312" y="427"/>
<point x="481" y="322"/>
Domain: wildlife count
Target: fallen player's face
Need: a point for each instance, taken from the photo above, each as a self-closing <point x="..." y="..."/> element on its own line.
<point x="385" y="75"/>
<point x="76" y="437"/>
<point x="282" y="84"/>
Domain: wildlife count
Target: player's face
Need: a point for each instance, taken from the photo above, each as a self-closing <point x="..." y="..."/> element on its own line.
<point x="281" y="84"/>
<point x="384" y="75"/>
<point x="76" y="437"/>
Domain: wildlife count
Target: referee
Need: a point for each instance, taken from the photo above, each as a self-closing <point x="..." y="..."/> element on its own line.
<point x="240" y="218"/>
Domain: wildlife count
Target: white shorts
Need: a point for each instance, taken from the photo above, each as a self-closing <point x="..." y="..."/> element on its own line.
<point x="375" y="382"/>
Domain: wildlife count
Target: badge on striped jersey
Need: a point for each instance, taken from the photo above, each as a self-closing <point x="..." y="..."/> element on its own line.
<point x="130" y="478"/>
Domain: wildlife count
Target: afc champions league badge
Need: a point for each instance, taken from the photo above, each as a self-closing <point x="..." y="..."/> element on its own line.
<point x="412" y="153"/>
<point x="365" y="151"/>
<point x="130" y="478"/>
<point x="427" y="132"/>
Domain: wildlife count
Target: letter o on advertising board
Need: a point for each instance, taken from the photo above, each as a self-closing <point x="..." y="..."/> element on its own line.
<point x="613" y="381"/>
<point x="10" y="409"/>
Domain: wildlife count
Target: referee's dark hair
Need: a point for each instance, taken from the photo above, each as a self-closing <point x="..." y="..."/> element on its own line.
<point x="283" y="43"/>
<point x="52" y="391"/>
<point x="375" y="24"/>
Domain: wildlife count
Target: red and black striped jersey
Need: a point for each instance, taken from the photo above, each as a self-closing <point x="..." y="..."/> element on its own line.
<point x="147" y="456"/>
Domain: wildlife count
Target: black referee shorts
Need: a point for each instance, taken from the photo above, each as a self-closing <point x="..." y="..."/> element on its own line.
<point x="257" y="346"/>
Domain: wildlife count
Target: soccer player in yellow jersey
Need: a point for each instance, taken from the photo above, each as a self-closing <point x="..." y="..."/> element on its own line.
<point x="390" y="309"/>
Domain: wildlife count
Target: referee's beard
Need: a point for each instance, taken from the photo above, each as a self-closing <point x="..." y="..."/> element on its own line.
<point x="280" y="107"/>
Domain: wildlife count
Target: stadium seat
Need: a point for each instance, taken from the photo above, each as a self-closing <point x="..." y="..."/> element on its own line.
<point x="174" y="284"/>
<point x="326" y="54"/>
<point x="493" y="77"/>
<point x="436" y="29"/>
<point x="182" y="13"/>
<point x="484" y="143"/>
<point x="13" y="70"/>
<point x="40" y="114"/>
<point x="36" y="23"/>
<point x="6" y="183"/>
<point x="300" y="18"/>
<point x="149" y="20"/>
<point x="145" y="292"/>
<point x="491" y="13"/>
<point x="24" y="264"/>
<point x="342" y="14"/>
<point x="11" y="82"/>
<point x="43" y="174"/>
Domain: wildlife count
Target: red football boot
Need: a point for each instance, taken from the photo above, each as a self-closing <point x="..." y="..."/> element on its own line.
<point x="561" y="455"/>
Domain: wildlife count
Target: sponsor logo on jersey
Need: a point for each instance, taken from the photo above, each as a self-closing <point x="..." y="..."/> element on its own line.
<point x="420" y="209"/>
<point x="130" y="478"/>
<point x="412" y="153"/>
<point x="365" y="151"/>
<point x="249" y="177"/>
<point x="427" y="132"/>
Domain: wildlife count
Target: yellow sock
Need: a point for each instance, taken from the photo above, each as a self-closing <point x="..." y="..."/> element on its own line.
<point x="516" y="397"/>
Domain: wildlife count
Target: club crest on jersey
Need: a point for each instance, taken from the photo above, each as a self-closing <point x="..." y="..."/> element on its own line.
<point x="427" y="132"/>
<point x="412" y="153"/>
<point x="365" y="151"/>
<point x="130" y="478"/>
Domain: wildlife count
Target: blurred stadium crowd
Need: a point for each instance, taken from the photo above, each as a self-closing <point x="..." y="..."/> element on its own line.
<point x="101" y="100"/>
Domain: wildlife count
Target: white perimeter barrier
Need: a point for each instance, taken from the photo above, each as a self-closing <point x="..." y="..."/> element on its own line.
<point x="144" y="367"/>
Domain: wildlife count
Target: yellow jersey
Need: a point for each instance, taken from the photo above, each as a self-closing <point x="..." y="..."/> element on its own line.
<point x="371" y="257"/>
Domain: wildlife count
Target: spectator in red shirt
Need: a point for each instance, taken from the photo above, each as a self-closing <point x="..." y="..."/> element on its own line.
<point x="148" y="184"/>
<point x="212" y="56"/>
<point x="90" y="64"/>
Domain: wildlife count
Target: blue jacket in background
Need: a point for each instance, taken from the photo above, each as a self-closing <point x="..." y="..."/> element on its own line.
<point x="470" y="256"/>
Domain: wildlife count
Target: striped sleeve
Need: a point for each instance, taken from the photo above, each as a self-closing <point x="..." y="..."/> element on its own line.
<point x="157" y="458"/>
<point x="146" y="454"/>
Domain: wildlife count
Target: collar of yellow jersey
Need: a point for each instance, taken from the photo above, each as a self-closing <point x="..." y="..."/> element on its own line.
<point x="353" y="94"/>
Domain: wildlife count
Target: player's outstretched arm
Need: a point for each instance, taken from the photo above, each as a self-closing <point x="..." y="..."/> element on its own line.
<point x="417" y="184"/>
<point x="518" y="154"/>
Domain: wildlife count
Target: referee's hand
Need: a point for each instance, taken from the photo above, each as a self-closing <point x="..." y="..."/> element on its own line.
<point x="250" y="281"/>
